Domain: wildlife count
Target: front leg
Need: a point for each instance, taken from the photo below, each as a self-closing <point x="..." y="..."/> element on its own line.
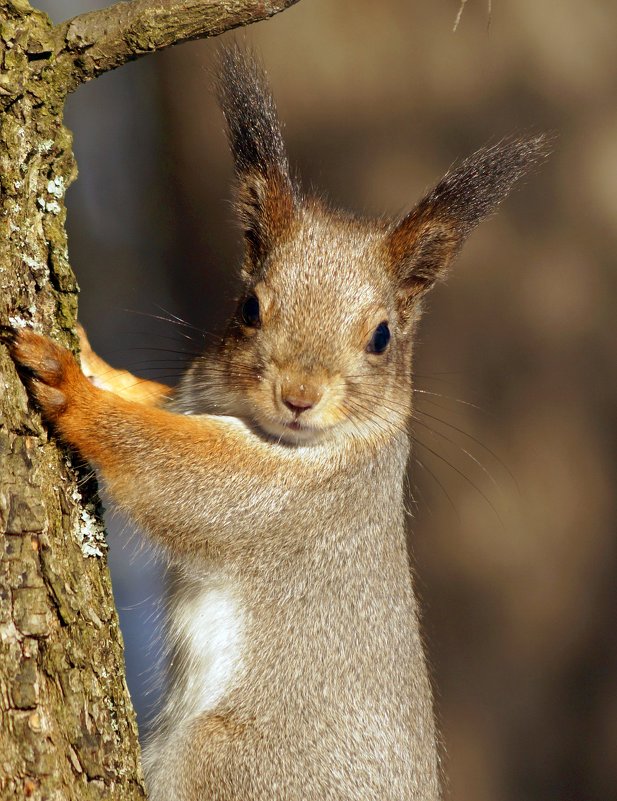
<point x="192" y="482"/>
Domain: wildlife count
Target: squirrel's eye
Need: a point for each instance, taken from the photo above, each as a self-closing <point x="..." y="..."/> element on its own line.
<point x="250" y="312"/>
<point x="380" y="339"/>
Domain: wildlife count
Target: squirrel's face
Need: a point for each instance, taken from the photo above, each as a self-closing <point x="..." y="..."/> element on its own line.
<point x="318" y="346"/>
<point x="321" y="342"/>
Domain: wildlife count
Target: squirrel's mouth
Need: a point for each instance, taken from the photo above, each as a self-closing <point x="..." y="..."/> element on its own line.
<point x="306" y="427"/>
<point x="301" y="429"/>
<point x="295" y="431"/>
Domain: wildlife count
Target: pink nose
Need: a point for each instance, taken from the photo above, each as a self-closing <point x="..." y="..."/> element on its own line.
<point x="300" y="397"/>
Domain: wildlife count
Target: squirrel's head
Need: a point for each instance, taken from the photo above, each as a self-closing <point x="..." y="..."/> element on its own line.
<point x="321" y="342"/>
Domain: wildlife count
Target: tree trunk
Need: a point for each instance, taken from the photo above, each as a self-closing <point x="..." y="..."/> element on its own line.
<point x="67" y="727"/>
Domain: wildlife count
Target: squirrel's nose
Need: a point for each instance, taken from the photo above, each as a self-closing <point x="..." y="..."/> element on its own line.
<point x="300" y="397"/>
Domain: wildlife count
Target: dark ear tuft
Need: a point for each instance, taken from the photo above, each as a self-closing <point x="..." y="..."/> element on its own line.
<point x="422" y="245"/>
<point x="266" y="198"/>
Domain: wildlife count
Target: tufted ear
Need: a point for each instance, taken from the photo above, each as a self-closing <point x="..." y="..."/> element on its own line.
<point x="266" y="199"/>
<point x="423" y="244"/>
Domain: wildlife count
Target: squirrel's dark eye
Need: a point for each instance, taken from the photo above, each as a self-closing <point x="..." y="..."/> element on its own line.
<point x="380" y="339"/>
<point x="250" y="312"/>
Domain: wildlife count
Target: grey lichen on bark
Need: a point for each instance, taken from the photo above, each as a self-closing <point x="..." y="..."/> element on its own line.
<point x="67" y="727"/>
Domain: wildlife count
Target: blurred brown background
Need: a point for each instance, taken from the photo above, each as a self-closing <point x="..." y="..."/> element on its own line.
<point x="514" y="535"/>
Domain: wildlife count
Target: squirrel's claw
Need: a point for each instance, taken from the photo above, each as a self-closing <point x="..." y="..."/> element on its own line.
<point x="8" y="333"/>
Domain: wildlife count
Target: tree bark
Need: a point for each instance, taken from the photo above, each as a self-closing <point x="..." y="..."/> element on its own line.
<point x="67" y="727"/>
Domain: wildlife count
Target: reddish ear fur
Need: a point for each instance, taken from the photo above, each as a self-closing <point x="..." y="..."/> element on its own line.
<point x="420" y="250"/>
<point x="266" y="208"/>
<point x="266" y="197"/>
<point x="422" y="246"/>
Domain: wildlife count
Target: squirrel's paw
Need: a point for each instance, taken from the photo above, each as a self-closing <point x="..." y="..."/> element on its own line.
<point x="49" y="371"/>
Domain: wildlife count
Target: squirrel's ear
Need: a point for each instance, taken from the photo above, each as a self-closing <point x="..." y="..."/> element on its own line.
<point x="266" y="198"/>
<point x="423" y="244"/>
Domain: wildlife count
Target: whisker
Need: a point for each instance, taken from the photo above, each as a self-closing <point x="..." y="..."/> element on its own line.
<point x="463" y="450"/>
<point x="369" y="379"/>
<point x="411" y="485"/>
<point x="352" y="419"/>
<point x="384" y="424"/>
<point x="450" y="398"/>
<point x="421" y="464"/>
<point x="173" y="320"/>
<point x="401" y="408"/>
<point x="172" y="337"/>
<point x="477" y="441"/>
<point x="175" y="351"/>
<point x="462" y="475"/>
<point x="398" y="407"/>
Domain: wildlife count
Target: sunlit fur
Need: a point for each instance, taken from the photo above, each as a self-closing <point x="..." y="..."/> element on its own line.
<point x="297" y="668"/>
<point x="322" y="294"/>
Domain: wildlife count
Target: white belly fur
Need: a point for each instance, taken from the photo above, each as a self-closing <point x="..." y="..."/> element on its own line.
<point x="206" y="630"/>
<point x="207" y="626"/>
<point x="210" y="631"/>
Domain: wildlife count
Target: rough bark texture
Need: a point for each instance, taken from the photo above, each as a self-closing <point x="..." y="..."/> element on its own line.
<point x="67" y="727"/>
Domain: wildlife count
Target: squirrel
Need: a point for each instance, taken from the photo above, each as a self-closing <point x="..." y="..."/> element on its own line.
<point x="272" y="477"/>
